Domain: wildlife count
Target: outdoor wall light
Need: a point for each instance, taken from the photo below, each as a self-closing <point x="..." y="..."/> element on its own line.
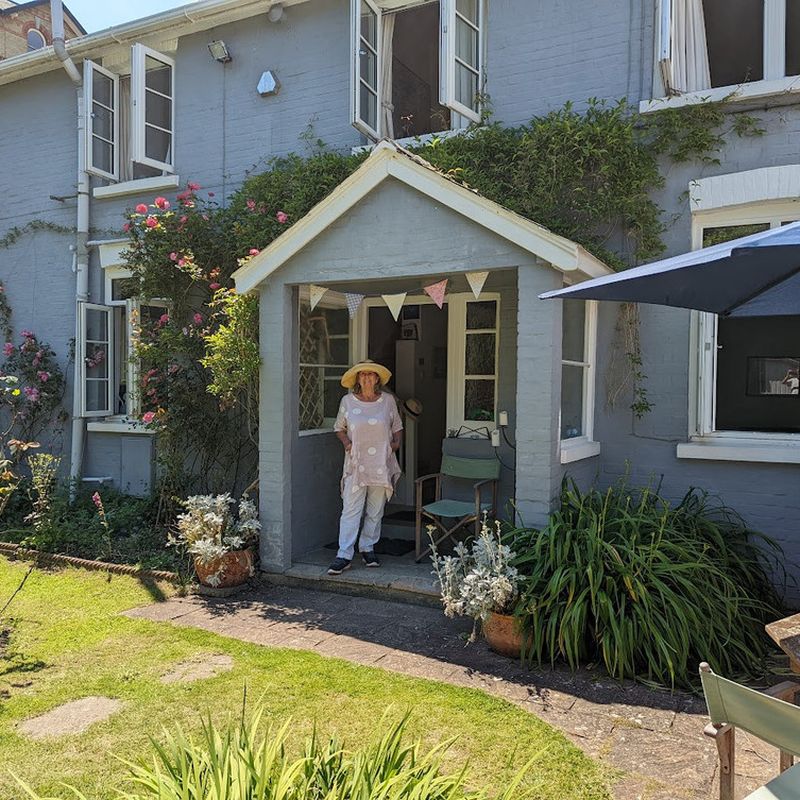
<point x="268" y="84"/>
<point x="220" y="51"/>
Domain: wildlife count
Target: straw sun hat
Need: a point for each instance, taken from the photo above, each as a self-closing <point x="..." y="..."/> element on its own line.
<point x="350" y="378"/>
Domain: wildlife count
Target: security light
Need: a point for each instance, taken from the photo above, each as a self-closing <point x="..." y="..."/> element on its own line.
<point x="220" y="51"/>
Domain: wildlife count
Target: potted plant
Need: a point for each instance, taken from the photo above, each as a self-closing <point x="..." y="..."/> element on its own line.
<point x="480" y="582"/>
<point x="220" y="543"/>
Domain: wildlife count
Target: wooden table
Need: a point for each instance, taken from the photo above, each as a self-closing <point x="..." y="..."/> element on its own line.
<point x="786" y="634"/>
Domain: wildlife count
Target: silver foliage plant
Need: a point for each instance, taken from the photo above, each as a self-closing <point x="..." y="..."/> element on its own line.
<point x="208" y="528"/>
<point x="478" y="580"/>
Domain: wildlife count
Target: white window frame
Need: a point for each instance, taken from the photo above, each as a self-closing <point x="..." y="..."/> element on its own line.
<point x="139" y="55"/>
<point x="42" y="40"/>
<point x="447" y="60"/>
<point x="583" y="446"/>
<point x="775" y="80"/>
<point x="81" y="358"/>
<point x="331" y="300"/>
<point x="704" y="441"/>
<point x="89" y="68"/>
<point x="134" y="367"/>
<point x="448" y="14"/>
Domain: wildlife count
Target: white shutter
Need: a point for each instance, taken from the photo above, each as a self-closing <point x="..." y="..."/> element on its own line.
<point x="101" y="109"/>
<point x="665" y="45"/>
<point x="461" y="56"/>
<point x="153" y="101"/>
<point x="96" y="359"/>
<point x="365" y="66"/>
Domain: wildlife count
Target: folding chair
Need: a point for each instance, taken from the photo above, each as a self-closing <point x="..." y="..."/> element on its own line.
<point x="465" y="512"/>
<point x="771" y="716"/>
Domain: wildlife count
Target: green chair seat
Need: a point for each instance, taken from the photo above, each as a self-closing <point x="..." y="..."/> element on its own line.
<point x="453" y="508"/>
<point x="785" y="787"/>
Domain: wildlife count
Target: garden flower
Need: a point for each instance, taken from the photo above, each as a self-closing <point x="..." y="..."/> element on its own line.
<point x="173" y="256"/>
<point x="32" y="393"/>
<point x="251" y="204"/>
<point x="26" y="334"/>
<point x="151" y="222"/>
<point x="126" y="227"/>
<point x="96" y="500"/>
<point x="282" y="217"/>
<point x="141" y="208"/>
<point x="162" y="203"/>
<point x="43" y="376"/>
<point x="254" y="251"/>
<point x="211" y="194"/>
<point x="198" y="319"/>
<point x="148" y="417"/>
<point x="183" y="219"/>
<point x="8" y="348"/>
<point x="163" y="319"/>
<point x="213" y="286"/>
<point x="192" y="187"/>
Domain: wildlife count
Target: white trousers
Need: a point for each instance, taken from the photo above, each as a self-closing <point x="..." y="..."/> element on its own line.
<point x="367" y="499"/>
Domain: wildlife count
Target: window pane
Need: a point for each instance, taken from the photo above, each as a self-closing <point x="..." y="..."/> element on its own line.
<point x="369" y="67"/>
<point x="480" y="353"/>
<point x="102" y="155"/>
<point x="102" y="89"/>
<point x="102" y="122"/>
<point x="158" y="111"/>
<point x="369" y="26"/>
<point x="773" y="376"/>
<point x="96" y="360"/>
<point x="158" y="76"/>
<point x="571" y="402"/>
<point x="482" y="315"/>
<point x="479" y="400"/>
<point x="157" y="144"/>
<point x="368" y="110"/>
<point x="467" y="43"/>
<point x="124" y="289"/>
<point x="340" y="351"/>
<point x="468" y="9"/>
<point x="573" y="330"/>
<point x="334" y="392"/>
<point x="735" y="37"/>
<point x="35" y="40"/>
<point x="337" y="320"/>
<point x="466" y="87"/>
<point x="726" y="233"/>
<point x="793" y="37"/>
<point x="96" y="395"/>
<point x="96" y="325"/>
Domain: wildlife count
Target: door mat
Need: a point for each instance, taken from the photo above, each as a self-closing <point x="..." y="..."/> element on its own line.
<point x="385" y="547"/>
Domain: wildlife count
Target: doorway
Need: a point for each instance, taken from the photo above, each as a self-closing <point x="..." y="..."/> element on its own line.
<point x="414" y="348"/>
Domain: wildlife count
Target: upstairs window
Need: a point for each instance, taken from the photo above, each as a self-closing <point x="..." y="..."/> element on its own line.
<point x="418" y="69"/>
<point x="710" y="43"/>
<point x="130" y="119"/>
<point x="36" y="40"/>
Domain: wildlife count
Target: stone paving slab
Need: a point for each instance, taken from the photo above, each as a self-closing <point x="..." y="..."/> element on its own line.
<point x="654" y="738"/>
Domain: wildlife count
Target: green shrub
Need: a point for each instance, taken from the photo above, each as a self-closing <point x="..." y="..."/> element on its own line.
<point x="245" y="764"/>
<point x="647" y="588"/>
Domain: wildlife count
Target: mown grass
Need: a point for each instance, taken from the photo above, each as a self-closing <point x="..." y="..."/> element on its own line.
<point x="69" y="641"/>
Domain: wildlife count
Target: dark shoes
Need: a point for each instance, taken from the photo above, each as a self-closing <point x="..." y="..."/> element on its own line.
<point x="338" y="566"/>
<point x="370" y="559"/>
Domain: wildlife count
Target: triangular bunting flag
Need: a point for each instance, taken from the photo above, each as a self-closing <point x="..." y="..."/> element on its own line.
<point x="316" y="294"/>
<point x="436" y="292"/>
<point x="353" y="302"/>
<point x="476" y="281"/>
<point x="395" y="302"/>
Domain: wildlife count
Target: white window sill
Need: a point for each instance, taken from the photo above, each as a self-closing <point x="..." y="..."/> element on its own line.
<point x="578" y="449"/>
<point x="413" y="141"/>
<point x="315" y="432"/>
<point x="139" y="186"/>
<point x="743" y="92"/>
<point x="777" y="449"/>
<point x="120" y="425"/>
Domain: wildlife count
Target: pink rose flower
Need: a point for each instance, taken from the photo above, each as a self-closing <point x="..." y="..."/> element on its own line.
<point x="97" y="500"/>
<point x="213" y="286"/>
<point x="32" y="393"/>
<point x="148" y="417"/>
<point x="251" y="204"/>
<point x="43" y="376"/>
<point x="26" y="334"/>
<point x="198" y="319"/>
<point x="126" y="227"/>
<point x="211" y="194"/>
<point x="181" y="262"/>
<point x="8" y="349"/>
<point x="254" y="251"/>
<point x="173" y="256"/>
<point x="151" y="222"/>
<point x="192" y="186"/>
<point x="162" y="203"/>
<point x="163" y="319"/>
<point x="282" y="217"/>
<point x="183" y="220"/>
<point x="141" y="208"/>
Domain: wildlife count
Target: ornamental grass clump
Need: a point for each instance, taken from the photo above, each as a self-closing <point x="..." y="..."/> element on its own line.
<point x="478" y="580"/>
<point x="648" y="589"/>
<point x="208" y="528"/>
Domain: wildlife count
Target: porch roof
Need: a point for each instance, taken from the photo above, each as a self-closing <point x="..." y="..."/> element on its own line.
<point x="389" y="160"/>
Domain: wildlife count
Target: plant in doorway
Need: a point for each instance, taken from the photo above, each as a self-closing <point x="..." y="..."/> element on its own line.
<point x="220" y="542"/>
<point x="479" y="581"/>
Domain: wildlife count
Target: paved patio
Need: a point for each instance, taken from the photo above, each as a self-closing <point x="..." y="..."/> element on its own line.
<point x="655" y="738"/>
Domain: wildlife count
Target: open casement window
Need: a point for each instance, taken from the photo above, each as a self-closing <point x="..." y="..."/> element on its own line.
<point x="153" y="108"/>
<point x="578" y="336"/>
<point x="324" y="344"/>
<point x="101" y="102"/>
<point x="461" y="83"/>
<point x="96" y="359"/>
<point x="365" y="18"/>
<point x="135" y="317"/>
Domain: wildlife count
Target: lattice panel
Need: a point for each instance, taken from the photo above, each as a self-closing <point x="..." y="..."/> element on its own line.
<point x="313" y="348"/>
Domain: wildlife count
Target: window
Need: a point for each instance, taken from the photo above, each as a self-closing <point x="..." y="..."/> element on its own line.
<point x="578" y="334"/>
<point x="324" y="356"/>
<point x="130" y="119"/>
<point x="418" y="69"/>
<point x="747" y="367"/>
<point x="96" y="357"/>
<point x="36" y="40"/>
<point x="715" y="43"/>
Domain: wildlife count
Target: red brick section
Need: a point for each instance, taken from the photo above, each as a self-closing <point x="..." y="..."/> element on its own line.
<point x="17" y="19"/>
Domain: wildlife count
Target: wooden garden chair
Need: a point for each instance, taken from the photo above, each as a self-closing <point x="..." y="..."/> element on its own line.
<point x="484" y="471"/>
<point x="771" y="716"/>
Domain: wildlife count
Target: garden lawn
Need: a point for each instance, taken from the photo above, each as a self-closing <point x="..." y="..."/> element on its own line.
<point x="69" y="641"/>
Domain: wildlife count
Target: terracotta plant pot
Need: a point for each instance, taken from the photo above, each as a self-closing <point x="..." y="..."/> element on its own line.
<point x="230" y="569"/>
<point x="503" y="635"/>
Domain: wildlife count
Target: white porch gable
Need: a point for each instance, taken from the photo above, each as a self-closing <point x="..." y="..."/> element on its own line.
<point x="389" y="160"/>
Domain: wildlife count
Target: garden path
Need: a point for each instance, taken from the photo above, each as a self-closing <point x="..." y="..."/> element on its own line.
<point x="654" y="737"/>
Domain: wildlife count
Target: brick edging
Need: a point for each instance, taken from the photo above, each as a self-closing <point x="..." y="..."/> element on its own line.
<point x="16" y="551"/>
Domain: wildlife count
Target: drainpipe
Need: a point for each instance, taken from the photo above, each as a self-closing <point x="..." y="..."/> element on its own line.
<point x="81" y="252"/>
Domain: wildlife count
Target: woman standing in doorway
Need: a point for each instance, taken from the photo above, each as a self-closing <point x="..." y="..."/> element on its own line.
<point x="368" y="426"/>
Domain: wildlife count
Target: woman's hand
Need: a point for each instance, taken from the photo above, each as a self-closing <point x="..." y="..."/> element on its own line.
<point x="345" y="440"/>
<point x="397" y="438"/>
<point x="348" y="446"/>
